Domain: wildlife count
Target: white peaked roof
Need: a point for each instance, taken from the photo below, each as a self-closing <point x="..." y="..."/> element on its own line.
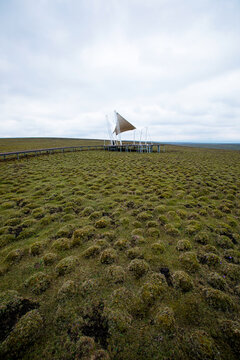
<point x="122" y="125"/>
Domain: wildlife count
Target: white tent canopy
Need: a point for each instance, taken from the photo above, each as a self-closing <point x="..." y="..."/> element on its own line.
<point x="122" y="125"/>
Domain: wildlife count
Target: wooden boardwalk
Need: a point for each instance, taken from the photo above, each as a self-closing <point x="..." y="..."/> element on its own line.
<point x="141" y="148"/>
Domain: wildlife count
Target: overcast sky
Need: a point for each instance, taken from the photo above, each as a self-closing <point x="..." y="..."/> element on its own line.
<point x="172" y="66"/>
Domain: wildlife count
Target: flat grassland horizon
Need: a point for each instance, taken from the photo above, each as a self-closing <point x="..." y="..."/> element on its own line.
<point x="124" y="256"/>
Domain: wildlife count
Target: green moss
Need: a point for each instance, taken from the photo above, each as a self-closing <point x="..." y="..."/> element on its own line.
<point x="108" y="256"/>
<point x="202" y="347"/>
<point x="67" y="291"/>
<point x="232" y="272"/>
<point x="36" y="248"/>
<point x="164" y="320"/>
<point x="26" y="332"/>
<point x="100" y="355"/>
<point x="38" y="283"/>
<point x="224" y="242"/>
<point x="92" y="251"/>
<point x="183" y="245"/>
<point x="171" y="230"/>
<point x="230" y="332"/>
<point x="218" y="299"/>
<point x="14" y="256"/>
<point x="189" y="261"/>
<point x="134" y="253"/>
<point x="121" y="244"/>
<point x="84" y="347"/>
<point x="65" y="232"/>
<point x="181" y="280"/>
<point x="138" y="267"/>
<point x="87" y="211"/>
<point x="144" y="216"/>
<point x="61" y="244"/>
<point x="82" y="235"/>
<point x="158" y="248"/>
<point x="232" y="256"/>
<point x="102" y="223"/>
<point x="49" y="258"/>
<point x="66" y="265"/>
<point x="116" y="274"/>
<point x="153" y="232"/>
<point x="217" y="281"/>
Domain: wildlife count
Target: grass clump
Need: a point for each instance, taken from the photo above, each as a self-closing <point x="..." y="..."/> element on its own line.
<point x="61" y="244"/>
<point x="184" y="245"/>
<point x="49" y="258"/>
<point x="182" y="281"/>
<point x="218" y="299"/>
<point x="14" y="256"/>
<point x="38" y="283"/>
<point x="201" y="346"/>
<point x="189" y="261"/>
<point x="134" y="253"/>
<point x="102" y="223"/>
<point x="121" y="244"/>
<point x="92" y="251"/>
<point x="108" y="256"/>
<point x="138" y="267"/>
<point x="36" y="248"/>
<point x="25" y="332"/>
<point x="82" y="235"/>
<point x="116" y="274"/>
<point x="217" y="281"/>
<point x="158" y="248"/>
<point x="67" y="291"/>
<point x="66" y="265"/>
<point x="164" y="320"/>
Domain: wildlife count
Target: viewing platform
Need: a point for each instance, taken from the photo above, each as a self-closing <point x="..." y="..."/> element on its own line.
<point x="141" y="148"/>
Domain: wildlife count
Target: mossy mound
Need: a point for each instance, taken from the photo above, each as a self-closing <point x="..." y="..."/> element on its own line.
<point x="67" y="291"/>
<point x="65" y="232"/>
<point x="218" y="299"/>
<point x="38" y="283"/>
<point x="134" y="253"/>
<point x="12" y="307"/>
<point x="61" y="244"/>
<point x="189" y="261"/>
<point x="49" y="258"/>
<point x="116" y="274"/>
<point x="184" y="245"/>
<point x="25" y="332"/>
<point x="14" y="256"/>
<point x="121" y="244"/>
<point x="138" y="267"/>
<point x="232" y="272"/>
<point x="108" y="256"/>
<point x="66" y="265"/>
<point x="164" y="320"/>
<point x="171" y="230"/>
<point x="144" y="216"/>
<point x="232" y="256"/>
<point x="103" y="222"/>
<point x="202" y="347"/>
<point x="181" y="280"/>
<point x="230" y="331"/>
<point x="217" y="281"/>
<point x="84" y="347"/>
<point x="36" y="248"/>
<point x="158" y="248"/>
<point x="153" y="232"/>
<point x="224" y="242"/>
<point x="82" y="235"/>
<point x="92" y="251"/>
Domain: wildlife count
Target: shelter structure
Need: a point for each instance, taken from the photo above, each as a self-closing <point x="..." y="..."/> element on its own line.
<point x="116" y="126"/>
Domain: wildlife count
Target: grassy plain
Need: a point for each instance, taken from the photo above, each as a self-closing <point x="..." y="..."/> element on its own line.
<point x="108" y="255"/>
<point x="16" y="144"/>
